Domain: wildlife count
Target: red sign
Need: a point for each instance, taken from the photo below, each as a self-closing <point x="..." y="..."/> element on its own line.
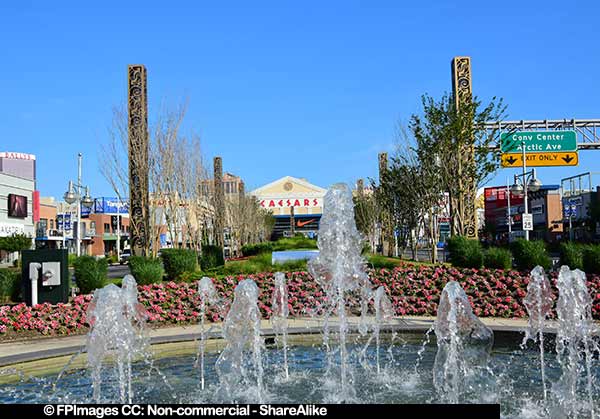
<point x="292" y="202"/>
<point x="16" y="156"/>
<point x="36" y="206"/>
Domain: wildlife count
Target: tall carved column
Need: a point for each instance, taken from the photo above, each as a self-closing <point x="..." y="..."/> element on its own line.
<point x="138" y="159"/>
<point x="219" y="200"/>
<point x="360" y="187"/>
<point x="387" y="227"/>
<point x="463" y="207"/>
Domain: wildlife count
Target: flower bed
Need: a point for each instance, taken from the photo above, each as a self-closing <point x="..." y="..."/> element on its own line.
<point x="413" y="289"/>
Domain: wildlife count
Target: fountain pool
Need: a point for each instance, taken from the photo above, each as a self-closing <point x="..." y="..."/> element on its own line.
<point x="518" y="387"/>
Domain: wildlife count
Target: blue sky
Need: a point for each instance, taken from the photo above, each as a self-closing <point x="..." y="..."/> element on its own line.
<point x="308" y="89"/>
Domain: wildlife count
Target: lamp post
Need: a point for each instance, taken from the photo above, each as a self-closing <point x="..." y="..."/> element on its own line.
<point x="525" y="182"/>
<point x="74" y="197"/>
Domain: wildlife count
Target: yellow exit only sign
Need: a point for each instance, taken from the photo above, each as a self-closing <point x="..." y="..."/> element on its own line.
<point x="540" y="159"/>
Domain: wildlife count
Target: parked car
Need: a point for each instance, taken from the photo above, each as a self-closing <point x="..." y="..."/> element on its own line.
<point x="125" y="255"/>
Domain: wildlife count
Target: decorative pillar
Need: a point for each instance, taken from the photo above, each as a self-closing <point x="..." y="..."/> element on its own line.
<point x="138" y="159"/>
<point x="463" y="93"/>
<point x="360" y="187"/>
<point x="219" y="200"/>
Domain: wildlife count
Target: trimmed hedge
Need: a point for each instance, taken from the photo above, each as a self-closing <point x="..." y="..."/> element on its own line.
<point x="571" y="254"/>
<point x="591" y="259"/>
<point x="257" y="248"/>
<point x="178" y="261"/>
<point x="146" y="270"/>
<point x="212" y="257"/>
<point x="290" y="243"/>
<point x="90" y="273"/>
<point x="465" y="253"/>
<point x="497" y="258"/>
<point x="10" y="284"/>
<point x="529" y="254"/>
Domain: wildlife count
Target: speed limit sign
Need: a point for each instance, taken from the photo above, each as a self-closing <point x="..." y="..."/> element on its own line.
<point x="527" y="222"/>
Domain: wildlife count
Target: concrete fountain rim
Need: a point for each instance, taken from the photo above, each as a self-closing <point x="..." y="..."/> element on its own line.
<point x="33" y="350"/>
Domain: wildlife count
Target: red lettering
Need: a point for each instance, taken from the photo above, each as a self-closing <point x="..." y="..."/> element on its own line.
<point x="280" y="203"/>
<point x="315" y="202"/>
<point x="288" y="203"/>
<point x="262" y="203"/>
<point x="271" y="203"/>
<point x="297" y="203"/>
<point x="306" y="202"/>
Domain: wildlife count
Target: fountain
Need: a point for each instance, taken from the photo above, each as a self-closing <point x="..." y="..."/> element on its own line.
<point x="117" y="328"/>
<point x="538" y="303"/>
<point x="339" y="268"/>
<point x="208" y="295"/>
<point x="574" y="344"/>
<point x="384" y="313"/>
<point x="279" y="305"/>
<point x="241" y="329"/>
<point x="464" y="345"/>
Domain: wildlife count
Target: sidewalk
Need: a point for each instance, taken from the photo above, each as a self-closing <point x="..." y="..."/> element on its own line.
<point x="35" y="349"/>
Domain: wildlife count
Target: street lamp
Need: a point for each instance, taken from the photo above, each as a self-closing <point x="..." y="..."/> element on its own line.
<point x="74" y="197"/>
<point x="526" y="181"/>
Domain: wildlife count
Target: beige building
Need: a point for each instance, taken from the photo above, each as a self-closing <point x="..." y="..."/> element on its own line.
<point x="289" y="192"/>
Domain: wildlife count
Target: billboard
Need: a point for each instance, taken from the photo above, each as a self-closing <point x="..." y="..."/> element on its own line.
<point x="17" y="206"/>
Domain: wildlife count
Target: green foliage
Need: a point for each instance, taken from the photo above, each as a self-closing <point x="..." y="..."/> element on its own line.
<point x="465" y="253"/>
<point x="257" y="248"/>
<point x="382" y="262"/>
<point x="571" y="254"/>
<point x="15" y="243"/>
<point x="212" y="257"/>
<point x="146" y="270"/>
<point x="591" y="259"/>
<point x="10" y="285"/>
<point x="291" y="243"/>
<point x="178" y="261"/>
<point x="497" y="258"/>
<point x="529" y="254"/>
<point x="294" y="243"/>
<point x="111" y="259"/>
<point x="90" y="273"/>
<point x="71" y="259"/>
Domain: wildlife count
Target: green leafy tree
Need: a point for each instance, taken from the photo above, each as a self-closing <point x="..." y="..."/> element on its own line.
<point x="456" y="142"/>
<point x="15" y="243"/>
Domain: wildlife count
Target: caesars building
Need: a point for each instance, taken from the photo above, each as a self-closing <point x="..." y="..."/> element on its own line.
<point x="292" y="195"/>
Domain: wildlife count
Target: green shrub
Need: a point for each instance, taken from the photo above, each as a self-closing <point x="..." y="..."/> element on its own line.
<point x="10" y="285"/>
<point x="529" y="254"/>
<point x="71" y="259"/>
<point x="294" y="243"/>
<point x="90" y="273"/>
<point x="591" y="259"/>
<point x="571" y="254"/>
<point x="212" y="257"/>
<point x="497" y="258"/>
<point x="257" y="248"/>
<point x="465" y="253"/>
<point x="178" y="261"/>
<point x="111" y="259"/>
<point x="146" y="270"/>
<point x="382" y="262"/>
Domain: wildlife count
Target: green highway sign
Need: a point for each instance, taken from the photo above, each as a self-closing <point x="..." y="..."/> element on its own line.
<point x="538" y="141"/>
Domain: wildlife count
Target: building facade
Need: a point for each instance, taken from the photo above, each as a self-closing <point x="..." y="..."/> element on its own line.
<point x="19" y="200"/>
<point x="545" y="205"/>
<point x="296" y="205"/>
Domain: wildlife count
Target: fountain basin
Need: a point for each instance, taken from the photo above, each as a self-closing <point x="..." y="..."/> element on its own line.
<point x="398" y="382"/>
